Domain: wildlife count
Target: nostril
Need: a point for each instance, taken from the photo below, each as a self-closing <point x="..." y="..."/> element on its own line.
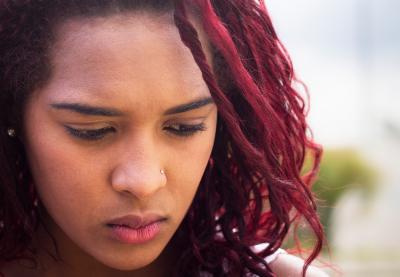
<point x="140" y="183"/>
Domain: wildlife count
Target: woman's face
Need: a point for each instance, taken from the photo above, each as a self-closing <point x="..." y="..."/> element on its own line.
<point x="124" y="101"/>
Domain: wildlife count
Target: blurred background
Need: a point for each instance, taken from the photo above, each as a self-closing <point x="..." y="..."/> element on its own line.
<point x="348" y="54"/>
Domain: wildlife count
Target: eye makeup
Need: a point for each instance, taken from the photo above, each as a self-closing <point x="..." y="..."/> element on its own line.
<point x="89" y="134"/>
<point x="180" y="130"/>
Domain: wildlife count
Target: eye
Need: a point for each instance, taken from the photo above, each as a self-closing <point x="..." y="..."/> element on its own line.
<point x="185" y="130"/>
<point x="90" y="134"/>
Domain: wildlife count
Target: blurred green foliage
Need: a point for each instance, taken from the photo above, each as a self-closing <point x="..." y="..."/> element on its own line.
<point x="341" y="170"/>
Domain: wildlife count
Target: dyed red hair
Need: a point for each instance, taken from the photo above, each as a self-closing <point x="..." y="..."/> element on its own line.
<point x="251" y="190"/>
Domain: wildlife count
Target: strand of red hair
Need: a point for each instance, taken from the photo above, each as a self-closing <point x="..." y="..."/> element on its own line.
<point x="274" y="145"/>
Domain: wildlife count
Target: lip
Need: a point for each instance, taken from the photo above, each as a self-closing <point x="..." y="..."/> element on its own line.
<point x="134" y="229"/>
<point x="136" y="221"/>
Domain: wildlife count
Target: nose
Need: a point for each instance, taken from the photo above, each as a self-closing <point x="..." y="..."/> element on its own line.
<point x="138" y="173"/>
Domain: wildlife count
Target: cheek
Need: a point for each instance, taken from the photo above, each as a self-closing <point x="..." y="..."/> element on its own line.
<point x="53" y="162"/>
<point x="188" y="167"/>
<point x="60" y="175"/>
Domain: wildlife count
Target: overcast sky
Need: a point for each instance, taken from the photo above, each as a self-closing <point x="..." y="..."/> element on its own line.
<point x="346" y="51"/>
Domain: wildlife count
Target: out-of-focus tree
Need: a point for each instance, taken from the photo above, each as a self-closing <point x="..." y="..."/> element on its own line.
<point x="341" y="170"/>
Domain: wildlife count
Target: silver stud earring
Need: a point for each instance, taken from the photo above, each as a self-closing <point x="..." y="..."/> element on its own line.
<point x="162" y="172"/>
<point x="11" y="132"/>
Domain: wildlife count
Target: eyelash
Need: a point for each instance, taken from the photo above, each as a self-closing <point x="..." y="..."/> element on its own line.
<point x="89" y="134"/>
<point x="185" y="130"/>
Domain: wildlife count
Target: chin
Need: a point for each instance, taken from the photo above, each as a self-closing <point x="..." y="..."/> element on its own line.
<point x="125" y="266"/>
<point x="129" y="262"/>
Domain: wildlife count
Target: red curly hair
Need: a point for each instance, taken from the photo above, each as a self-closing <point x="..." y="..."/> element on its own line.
<point x="252" y="189"/>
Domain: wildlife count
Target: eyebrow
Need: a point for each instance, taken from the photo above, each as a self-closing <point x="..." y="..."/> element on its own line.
<point x="103" y="111"/>
<point x="189" y="106"/>
<point x="86" y="109"/>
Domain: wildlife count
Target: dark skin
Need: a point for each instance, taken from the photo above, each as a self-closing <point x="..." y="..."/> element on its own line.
<point x="125" y="100"/>
<point x="97" y="134"/>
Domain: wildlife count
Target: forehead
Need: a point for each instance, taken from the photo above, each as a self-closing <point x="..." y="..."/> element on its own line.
<point x="138" y="51"/>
